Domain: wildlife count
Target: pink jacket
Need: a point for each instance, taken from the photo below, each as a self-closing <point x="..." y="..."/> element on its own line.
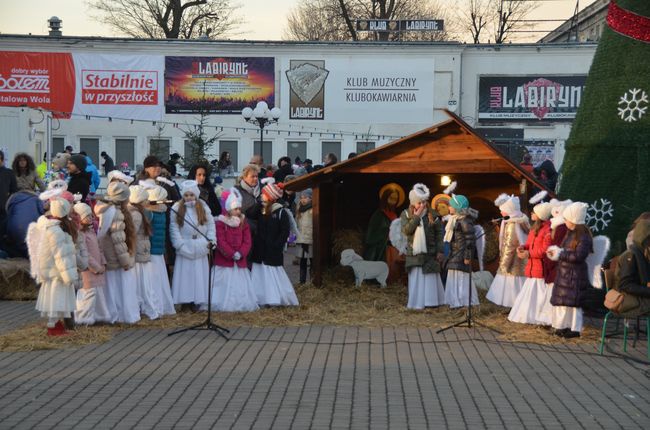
<point x="232" y="238"/>
<point x="96" y="261"/>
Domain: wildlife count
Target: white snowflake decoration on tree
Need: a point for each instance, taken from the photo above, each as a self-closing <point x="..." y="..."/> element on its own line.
<point x="600" y="214"/>
<point x="634" y="107"/>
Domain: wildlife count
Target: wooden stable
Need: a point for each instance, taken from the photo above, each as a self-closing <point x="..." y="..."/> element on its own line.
<point x="346" y="194"/>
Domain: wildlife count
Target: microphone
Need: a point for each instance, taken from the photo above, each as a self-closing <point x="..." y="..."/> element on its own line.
<point x="498" y="220"/>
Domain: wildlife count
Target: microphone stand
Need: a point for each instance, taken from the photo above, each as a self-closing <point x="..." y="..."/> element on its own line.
<point x="468" y="319"/>
<point x="207" y="324"/>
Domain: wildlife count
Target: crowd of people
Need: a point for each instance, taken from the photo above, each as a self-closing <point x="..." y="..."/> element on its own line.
<point x="147" y="244"/>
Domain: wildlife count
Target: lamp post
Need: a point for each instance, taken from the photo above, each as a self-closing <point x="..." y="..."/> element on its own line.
<point x="261" y="116"/>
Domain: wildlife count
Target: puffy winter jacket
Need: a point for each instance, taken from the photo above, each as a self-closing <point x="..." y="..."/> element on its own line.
<point x="572" y="278"/>
<point x="113" y="244"/>
<point x="509" y="263"/>
<point x="143" y="247"/>
<point x="462" y="244"/>
<point x="23" y="208"/>
<point x="550" y="268"/>
<point x="56" y="253"/>
<point x="305" y="227"/>
<point x="158" y="229"/>
<point x="96" y="261"/>
<point x="232" y="238"/>
<point x="536" y="245"/>
<point x="95" y="180"/>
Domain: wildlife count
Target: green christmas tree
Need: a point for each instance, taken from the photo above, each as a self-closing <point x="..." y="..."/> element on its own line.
<point x="608" y="150"/>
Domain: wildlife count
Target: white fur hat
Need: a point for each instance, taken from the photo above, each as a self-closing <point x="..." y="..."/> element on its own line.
<point x="51" y="193"/>
<point x="501" y="199"/>
<point x="83" y="210"/>
<point x="190" y="186"/>
<point x="576" y="213"/>
<point x="156" y="194"/>
<point x="419" y="193"/>
<point x="557" y="207"/>
<point x="119" y="176"/>
<point x="57" y="184"/>
<point x="543" y="210"/>
<point x="117" y="192"/>
<point x="511" y="206"/>
<point x="59" y="208"/>
<point x="234" y="199"/>
<point x="137" y="194"/>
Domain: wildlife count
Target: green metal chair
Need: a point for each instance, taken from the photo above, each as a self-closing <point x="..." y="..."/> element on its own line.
<point x="608" y="275"/>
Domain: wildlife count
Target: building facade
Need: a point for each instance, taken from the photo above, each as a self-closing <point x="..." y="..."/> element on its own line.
<point x="335" y="97"/>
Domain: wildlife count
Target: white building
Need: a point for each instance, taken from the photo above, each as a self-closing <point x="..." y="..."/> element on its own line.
<point x="430" y="76"/>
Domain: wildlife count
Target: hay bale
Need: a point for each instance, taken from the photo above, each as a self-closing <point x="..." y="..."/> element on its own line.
<point x="15" y="281"/>
<point x="344" y="239"/>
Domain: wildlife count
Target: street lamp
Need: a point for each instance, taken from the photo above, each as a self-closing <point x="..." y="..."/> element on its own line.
<point x="261" y="116"/>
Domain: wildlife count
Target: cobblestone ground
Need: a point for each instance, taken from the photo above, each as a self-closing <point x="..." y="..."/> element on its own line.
<point x="320" y="377"/>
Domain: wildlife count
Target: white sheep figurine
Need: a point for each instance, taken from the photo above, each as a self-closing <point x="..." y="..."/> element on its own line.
<point x="364" y="269"/>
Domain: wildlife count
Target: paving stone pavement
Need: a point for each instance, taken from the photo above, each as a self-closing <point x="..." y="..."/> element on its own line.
<point x="321" y="377"/>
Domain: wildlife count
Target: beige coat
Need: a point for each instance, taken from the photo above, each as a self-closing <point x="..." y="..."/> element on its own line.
<point x="305" y="227"/>
<point x="113" y="244"/>
<point x="143" y="249"/>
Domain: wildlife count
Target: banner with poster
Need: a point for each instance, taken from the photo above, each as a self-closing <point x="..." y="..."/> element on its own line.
<point x="119" y="86"/>
<point x="540" y="151"/>
<point x="553" y="98"/>
<point x="349" y="89"/>
<point x="39" y="80"/>
<point x="218" y="85"/>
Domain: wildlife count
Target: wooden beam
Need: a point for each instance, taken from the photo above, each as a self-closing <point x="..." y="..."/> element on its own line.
<point x="317" y="257"/>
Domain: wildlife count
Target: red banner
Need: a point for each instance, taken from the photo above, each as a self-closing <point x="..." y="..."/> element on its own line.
<point x="39" y="80"/>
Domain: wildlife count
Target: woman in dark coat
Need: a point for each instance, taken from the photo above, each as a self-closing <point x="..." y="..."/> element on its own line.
<point x="572" y="278"/>
<point x="200" y="173"/>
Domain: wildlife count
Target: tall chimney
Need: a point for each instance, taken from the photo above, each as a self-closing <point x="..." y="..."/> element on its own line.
<point x="55" y="26"/>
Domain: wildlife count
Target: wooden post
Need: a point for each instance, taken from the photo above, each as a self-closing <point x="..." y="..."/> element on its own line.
<point x="317" y="257"/>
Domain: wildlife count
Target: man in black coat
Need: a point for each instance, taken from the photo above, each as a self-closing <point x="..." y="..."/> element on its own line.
<point x="79" y="179"/>
<point x="7" y="187"/>
<point x="109" y="164"/>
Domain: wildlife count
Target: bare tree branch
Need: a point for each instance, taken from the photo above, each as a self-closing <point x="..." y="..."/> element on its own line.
<point x="171" y="19"/>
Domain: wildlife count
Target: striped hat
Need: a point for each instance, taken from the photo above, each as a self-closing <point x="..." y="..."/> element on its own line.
<point x="271" y="190"/>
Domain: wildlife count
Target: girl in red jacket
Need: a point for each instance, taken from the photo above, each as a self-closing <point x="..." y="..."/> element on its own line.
<point x="529" y="304"/>
<point x="232" y="290"/>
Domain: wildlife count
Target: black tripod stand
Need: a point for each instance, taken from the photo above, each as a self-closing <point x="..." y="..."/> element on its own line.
<point x="468" y="319"/>
<point x="207" y="324"/>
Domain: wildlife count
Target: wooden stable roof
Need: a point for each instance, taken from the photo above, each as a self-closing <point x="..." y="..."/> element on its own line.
<point x="450" y="147"/>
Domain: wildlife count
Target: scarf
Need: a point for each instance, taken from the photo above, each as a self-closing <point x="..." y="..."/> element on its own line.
<point x="420" y="238"/>
<point x="449" y="228"/>
<point x="230" y="221"/>
<point x="254" y="191"/>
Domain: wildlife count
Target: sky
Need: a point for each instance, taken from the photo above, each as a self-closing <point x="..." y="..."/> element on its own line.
<point x="265" y="19"/>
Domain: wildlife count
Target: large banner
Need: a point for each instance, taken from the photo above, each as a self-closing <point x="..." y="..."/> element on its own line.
<point x="39" y="80"/>
<point x="530" y="98"/>
<point x="218" y="85"/>
<point x="119" y="86"/>
<point x="351" y="89"/>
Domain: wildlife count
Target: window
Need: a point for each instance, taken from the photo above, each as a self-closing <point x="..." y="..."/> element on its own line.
<point x="188" y="150"/>
<point x="333" y="147"/>
<point x="159" y="148"/>
<point x="365" y="146"/>
<point x="124" y="152"/>
<point x="90" y="145"/>
<point x="296" y="149"/>
<point x="230" y="146"/>
<point x="267" y="153"/>
<point x="58" y="145"/>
